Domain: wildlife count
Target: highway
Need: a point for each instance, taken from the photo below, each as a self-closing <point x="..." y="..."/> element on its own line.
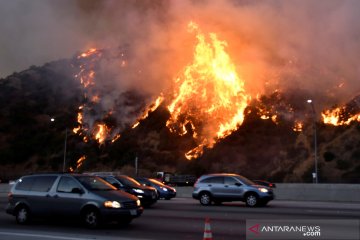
<point x="179" y="218"/>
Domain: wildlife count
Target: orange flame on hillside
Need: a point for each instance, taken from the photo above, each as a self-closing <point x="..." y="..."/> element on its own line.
<point x="209" y="98"/>
<point x="338" y="117"/>
<point x="101" y="133"/>
<point x="149" y="110"/>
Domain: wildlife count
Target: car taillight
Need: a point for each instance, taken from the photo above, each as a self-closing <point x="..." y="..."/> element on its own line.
<point x="196" y="182"/>
<point x="10" y="195"/>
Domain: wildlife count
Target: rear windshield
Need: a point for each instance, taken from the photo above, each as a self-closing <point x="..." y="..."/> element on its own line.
<point x="95" y="183"/>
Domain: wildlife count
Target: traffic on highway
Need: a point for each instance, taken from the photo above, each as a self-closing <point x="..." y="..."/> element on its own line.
<point x="83" y="206"/>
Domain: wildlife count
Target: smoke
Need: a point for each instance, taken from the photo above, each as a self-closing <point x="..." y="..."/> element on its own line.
<point x="308" y="45"/>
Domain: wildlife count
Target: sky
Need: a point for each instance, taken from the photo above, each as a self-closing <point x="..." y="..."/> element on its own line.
<point x="305" y="44"/>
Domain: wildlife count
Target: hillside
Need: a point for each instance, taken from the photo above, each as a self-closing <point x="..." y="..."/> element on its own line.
<point x="260" y="148"/>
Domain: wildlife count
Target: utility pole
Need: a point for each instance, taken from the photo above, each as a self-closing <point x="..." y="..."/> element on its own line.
<point x="315" y="173"/>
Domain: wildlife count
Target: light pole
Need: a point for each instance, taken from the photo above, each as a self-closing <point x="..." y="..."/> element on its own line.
<point x="315" y="173"/>
<point x="65" y="144"/>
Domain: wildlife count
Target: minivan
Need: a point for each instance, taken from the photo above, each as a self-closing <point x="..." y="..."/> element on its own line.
<point x="90" y="198"/>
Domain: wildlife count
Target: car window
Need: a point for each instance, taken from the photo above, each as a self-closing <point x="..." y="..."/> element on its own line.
<point x="43" y="183"/>
<point x="128" y="181"/>
<point x="213" y="180"/>
<point x="112" y="181"/>
<point x="230" y="181"/>
<point x="25" y="183"/>
<point x="157" y="182"/>
<point x="66" y="184"/>
<point x="245" y="180"/>
<point x="36" y="183"/>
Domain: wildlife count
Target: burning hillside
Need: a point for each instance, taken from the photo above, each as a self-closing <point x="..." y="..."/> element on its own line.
<point x="208" y="100"/>
<point x="234" y="80"/>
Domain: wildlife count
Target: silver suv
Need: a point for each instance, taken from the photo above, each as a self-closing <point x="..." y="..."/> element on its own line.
<point x="227" y="187"/>
<point x="71" y="195"/>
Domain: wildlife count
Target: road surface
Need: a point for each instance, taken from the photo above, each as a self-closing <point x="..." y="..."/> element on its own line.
<point x="179" y="218"/>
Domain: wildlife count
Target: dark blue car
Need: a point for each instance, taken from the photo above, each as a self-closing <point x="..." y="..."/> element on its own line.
<point x="164" y="191"/>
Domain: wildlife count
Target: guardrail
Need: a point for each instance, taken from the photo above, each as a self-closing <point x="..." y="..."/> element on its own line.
<point x="285" y="191"/>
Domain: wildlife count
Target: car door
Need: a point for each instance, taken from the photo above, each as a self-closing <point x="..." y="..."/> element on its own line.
<point x="37" y="196"/>
<point x="215" y="185"/>
<point x="69" y="196"/>
<point x="233" y="189"/>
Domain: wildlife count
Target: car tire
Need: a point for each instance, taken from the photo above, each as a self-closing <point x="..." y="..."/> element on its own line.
<point x="22" y="215"/>
<point x="251" y="200"/>
<point x="205" y="199"/>
<point x="91" y="218"/>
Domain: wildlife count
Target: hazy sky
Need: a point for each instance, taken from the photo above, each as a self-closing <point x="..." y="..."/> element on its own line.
<point x="310" y="44"/>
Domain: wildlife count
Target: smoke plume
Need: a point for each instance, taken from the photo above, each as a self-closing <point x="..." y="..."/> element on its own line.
<point x="308" y="45"/>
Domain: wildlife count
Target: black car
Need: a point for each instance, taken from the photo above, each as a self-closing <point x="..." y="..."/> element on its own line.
<point x="147" y="195"/>
<point x="164" y="191"/>
<point x="265" y="183"/>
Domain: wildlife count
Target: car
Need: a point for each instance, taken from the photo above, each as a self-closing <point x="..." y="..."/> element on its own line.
<point x="88" y="198"/>
<point x="164" y="191"/>
<point x="147" y="195"/>
<point x="265" y="183"/>
<point x="227" y="187"/>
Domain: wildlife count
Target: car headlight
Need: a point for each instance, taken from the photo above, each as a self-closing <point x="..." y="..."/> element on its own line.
<point x="164" y="189"/>
<point x="112" y="204"/>
<point x="264" y="190"/>
<point x="138" y="203"/>
<point x="138" y="190"/>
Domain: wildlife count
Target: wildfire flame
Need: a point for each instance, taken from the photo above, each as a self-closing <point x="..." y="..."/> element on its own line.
<point x="101" y="133"/>
<point x="149" y="110"/>
<point x="338" y="117"/>
<point x="210" y="98"/>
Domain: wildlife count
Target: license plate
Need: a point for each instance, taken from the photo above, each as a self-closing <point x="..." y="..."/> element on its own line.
<point x="133" y="212"/>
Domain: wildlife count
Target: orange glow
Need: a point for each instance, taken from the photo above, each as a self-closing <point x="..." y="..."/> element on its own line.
<point x="210" y="98"/>
<point x="298" y="127"/>
<point x="337" y="117"/>
<point x="117" y="136"/>
<point x="101" y="133"/>
<point x="149" y="110"/>
<point x="80" y="161"/>
<point x="88" y="53"/>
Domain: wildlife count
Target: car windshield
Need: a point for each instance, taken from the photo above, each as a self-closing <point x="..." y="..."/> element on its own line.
<point x="95" y="183"/>
<point x="128" y="181"/>
<point x="245" y="180"/>
<point x="156" y="182"/>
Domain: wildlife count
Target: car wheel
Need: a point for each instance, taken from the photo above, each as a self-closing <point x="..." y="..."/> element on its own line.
<point x="23" y="215"/>
<point x="91" y="218"/>
<point x="205" y="198"/>
<point x="252" y="200"/>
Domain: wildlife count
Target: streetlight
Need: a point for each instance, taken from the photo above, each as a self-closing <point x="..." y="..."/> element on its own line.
<point x="315" y="173"/>
<point x="65" y="144"/>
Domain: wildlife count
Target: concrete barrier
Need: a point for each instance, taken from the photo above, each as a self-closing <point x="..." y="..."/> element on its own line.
<point x="305" y="192"/>
<point x="284" y="191"/>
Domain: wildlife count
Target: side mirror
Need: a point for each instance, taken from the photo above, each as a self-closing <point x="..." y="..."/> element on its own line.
<point x="238" y="184"/>
<point x="77" y="190"/>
